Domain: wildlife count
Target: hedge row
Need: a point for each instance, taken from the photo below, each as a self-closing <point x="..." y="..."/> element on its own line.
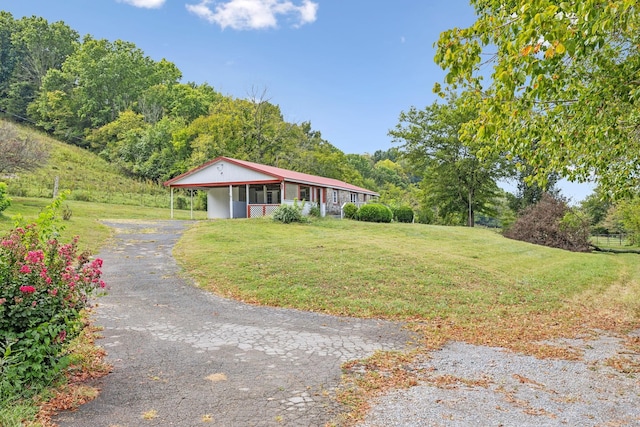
<point x="376" y="212"/>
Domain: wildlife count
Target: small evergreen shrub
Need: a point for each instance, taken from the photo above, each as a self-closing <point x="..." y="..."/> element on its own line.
<point x="350" y="211"/>
<point x="287" y="214"/>
<point x="403" y="214"/>
<point x="375" y="212"/>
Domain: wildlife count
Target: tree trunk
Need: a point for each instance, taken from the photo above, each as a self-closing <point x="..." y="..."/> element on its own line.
<point x="471" y="217"/>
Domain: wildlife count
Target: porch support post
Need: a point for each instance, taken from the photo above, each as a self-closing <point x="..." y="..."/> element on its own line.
<point x="171" y="202"/>
<point x="231" y="201"/>
<point x="282" y="192"/>
<point x="264" y="194"/>
<point x="246" y="189"/>
<point x="191" y="203"/>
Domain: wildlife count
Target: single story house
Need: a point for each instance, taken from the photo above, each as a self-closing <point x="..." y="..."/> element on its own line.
<point x="241" y="189"/>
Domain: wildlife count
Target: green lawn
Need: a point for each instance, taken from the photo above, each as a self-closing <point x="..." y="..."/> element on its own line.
<point x="473" y="280"/>
<point x="86" y="216"/>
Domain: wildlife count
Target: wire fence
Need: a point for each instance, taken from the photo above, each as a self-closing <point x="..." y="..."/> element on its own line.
<point x="613" y="240"/>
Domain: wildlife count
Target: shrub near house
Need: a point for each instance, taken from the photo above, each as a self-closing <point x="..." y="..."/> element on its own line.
<point x="375" y="212"/>
<point x="44" y="286"/>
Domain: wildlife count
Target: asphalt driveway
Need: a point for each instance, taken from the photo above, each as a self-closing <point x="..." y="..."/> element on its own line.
<point x="184" y="357"/>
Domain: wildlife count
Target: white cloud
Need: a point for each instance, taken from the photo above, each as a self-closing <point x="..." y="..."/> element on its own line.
<point x="254" y="14"/>
<point x="147" y="4"/>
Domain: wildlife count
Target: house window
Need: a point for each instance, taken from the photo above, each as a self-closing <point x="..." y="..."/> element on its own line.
<point x="335" y="196"/>
<point x="354" y="197"/>
<point x="305" y="193"/>
<point x="291" y="191"/>
<point x="269" y="197"/>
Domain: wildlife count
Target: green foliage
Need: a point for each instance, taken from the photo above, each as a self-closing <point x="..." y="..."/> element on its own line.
<point x="595" y="207"/>
<point x="375" y="212"/>
<point x="5" y="201"/>
<point x="350" y="211"/>
<point x="44" y="285"/>
<point x="181" y="202"/>
<point x="564" y="75"/>
<point x="456" y="181"/>
<point x="314" y="211"/>
<point x="287" y="214"/>
<point x="627" y="214"/>
<point x="34" y="47"/>
<point x="529" y="192"/>
<point x="403" y="214"/>
<point x="97" y="81"/>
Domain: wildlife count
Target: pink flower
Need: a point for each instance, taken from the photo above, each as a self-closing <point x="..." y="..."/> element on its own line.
<point x="35" y="257"/>
<point x="25" y="269"/>
<point x="102" y="284"/>
<point x="62" y="336"/>
<point x="27" y="289"/>
<point x="2" y="300"/>
<point x="96" y="263"/>
<point x="53" y="292"/>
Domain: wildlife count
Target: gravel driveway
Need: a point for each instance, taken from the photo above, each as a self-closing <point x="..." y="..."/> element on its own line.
<point x="184" y="357"/>
<point x="466" y="385"/>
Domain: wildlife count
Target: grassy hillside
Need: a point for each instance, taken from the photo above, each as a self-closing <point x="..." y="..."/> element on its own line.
<point x="89" y="177"/>
<point x="463" y="283"/>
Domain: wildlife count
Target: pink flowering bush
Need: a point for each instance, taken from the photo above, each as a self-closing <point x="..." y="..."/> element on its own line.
<point x="44" y="285"/>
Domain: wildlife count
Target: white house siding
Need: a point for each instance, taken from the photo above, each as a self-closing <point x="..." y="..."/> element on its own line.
<point x="218" y="203"/>
<point x="223" y="172"/>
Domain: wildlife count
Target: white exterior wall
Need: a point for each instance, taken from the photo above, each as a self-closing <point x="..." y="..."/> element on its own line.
<point x="223" y="171"/>
<point x="218" y="203"/>
<point x="305" y="209"/>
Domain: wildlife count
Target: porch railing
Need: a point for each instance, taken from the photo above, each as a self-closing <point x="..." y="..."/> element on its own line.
<point x="254" y="211"/>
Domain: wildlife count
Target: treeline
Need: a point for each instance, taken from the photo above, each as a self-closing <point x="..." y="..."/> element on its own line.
<point x="112" y="99"/>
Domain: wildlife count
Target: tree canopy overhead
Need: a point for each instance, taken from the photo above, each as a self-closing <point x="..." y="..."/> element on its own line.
<point x="564" y="93"/>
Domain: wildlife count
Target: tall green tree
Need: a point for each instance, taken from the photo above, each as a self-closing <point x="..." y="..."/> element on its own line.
<point x="530" y="191"/>
<point x="29" y="48"/>
<point x="565" y="74"/>
<point x="8" y="56"/>
<point x="455" y="179"/>
<point x="97" y="82"/>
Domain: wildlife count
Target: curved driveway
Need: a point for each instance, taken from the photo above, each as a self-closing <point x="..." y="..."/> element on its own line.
<point x="184" y="357"/>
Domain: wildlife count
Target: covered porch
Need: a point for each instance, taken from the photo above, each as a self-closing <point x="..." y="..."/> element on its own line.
<point x="252" y="200"/>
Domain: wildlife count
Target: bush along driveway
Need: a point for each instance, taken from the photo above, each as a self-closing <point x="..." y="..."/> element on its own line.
<point x="184" y="357"/>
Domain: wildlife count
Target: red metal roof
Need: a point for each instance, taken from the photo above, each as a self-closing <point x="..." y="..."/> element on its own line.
<point x="281" y="175"/>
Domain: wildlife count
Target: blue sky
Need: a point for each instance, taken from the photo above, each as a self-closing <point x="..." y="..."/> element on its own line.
<point x="347" y="66"/>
